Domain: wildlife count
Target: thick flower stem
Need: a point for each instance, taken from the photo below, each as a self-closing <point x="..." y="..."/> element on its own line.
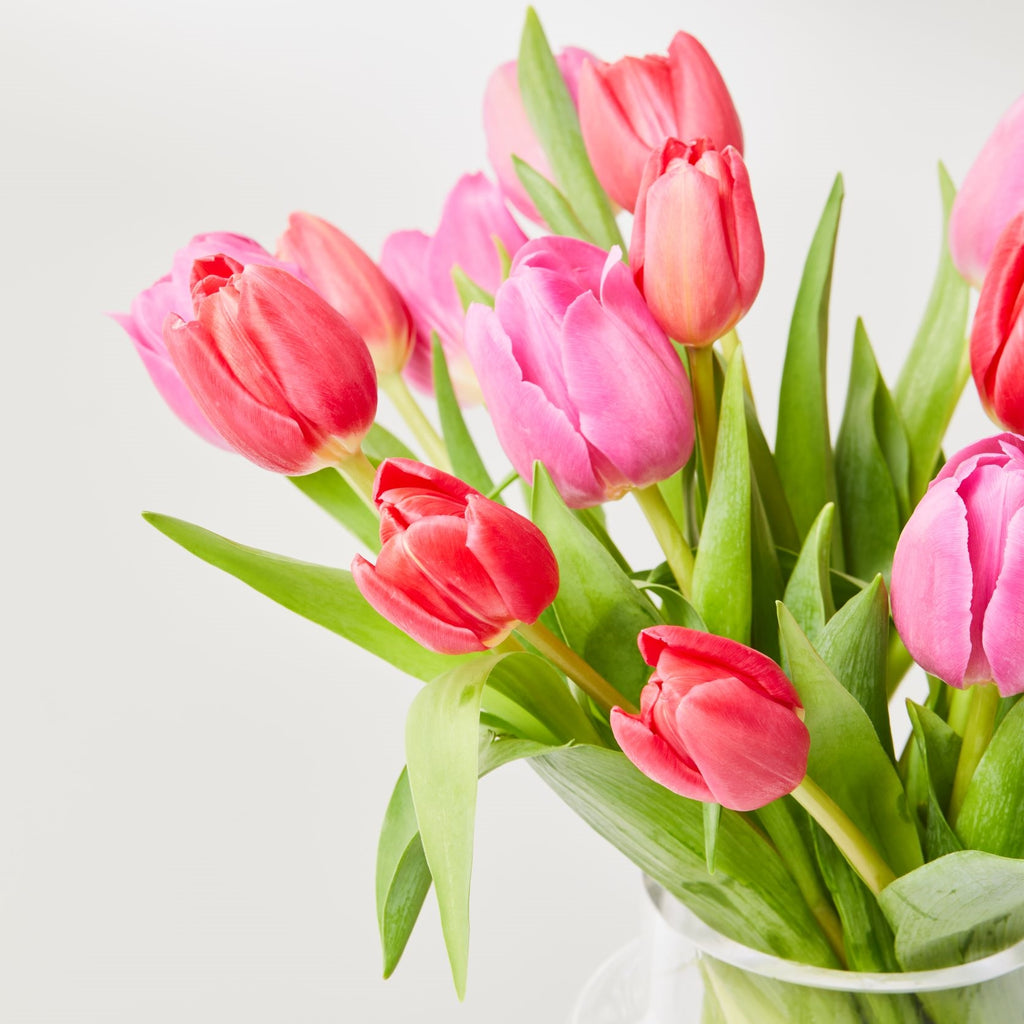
<point x="359" y="471"/>
<point x="702" y="379"/>
<point x="394" y="386"/>
<point x="670" y="537"/>
<point x="978" y="729"/>
<point x="852" y="843"/>
<point x="590" y="682"/>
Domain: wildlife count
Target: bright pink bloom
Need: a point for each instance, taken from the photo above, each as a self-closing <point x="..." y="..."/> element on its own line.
<point x="457" y="571"/>
<point x="508" y="129"/>
<point x="282" y="376"/>
<point x="997" y="336"/>
<point x="577" y="373"/>
<point x="420" y="266"/>
<point x="172" y="294"/>
<point x="354" y="285"/>
<point x="991" y="196"/>
<point x="629" y="108"/>
<point x="696" y="249"/>
<point x="719" y="722"/>
<point x="958" y="570"/>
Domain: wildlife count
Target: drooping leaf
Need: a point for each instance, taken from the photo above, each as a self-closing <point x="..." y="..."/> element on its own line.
<point x="809" y="591"/>
<point x="335" y="495"/>
<point x="554" y="208"/>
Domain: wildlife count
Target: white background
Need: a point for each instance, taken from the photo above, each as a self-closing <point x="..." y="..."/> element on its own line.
<point x="191" y="779"/>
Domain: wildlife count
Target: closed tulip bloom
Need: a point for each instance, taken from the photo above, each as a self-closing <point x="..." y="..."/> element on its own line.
<point x="354" y="285"/>
<point x="456" y="570"/>
<point x="577" y="373"/>
<point x="282" y="376"/>
<point x="696" y="248"/>
<point x="627" y="109"/>
<point x="420" y="267"/>
<point x="509" y="132"/>
<point x="991" y="196"/>
<point x="958" y="570"/>
<point x="997" y="335"/>
<point x="719" y="722"/>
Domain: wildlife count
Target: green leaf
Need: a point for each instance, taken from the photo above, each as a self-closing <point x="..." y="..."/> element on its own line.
<point x="766" y="587"/>
<point x="380" y="444"/>
<point x="466" y="461"/>
<point x="326" y="596"/>
<point x="595" y="523"/>
<point x="930" y="779"/>
<point x="552" y="114"/>
<point x="554" y="208"/>
<point x="803" y="446"/>
<point x="872" y="467"/>
<point x="469" y="291"/>
<point x="722" y="573"/>
<point x="769" y="483"/>
<point x="712" y="817"/>
<point x="809" y="592"/>
<point x="937" y="366"/>
<point x="335" y="495"/>
<point x="675" y="609"/>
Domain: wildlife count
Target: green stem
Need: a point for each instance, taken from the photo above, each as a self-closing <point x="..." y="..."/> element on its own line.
<point x="702" y="378"/>
<point x="978" y="729"/>
<point x="670" y="536"/>
<point x="359" y="471"/>
<point x="589" y="681"/>
<point x="394" y="386"/>
<point x="852" y="843"/>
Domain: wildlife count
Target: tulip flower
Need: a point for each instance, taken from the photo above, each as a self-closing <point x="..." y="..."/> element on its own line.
<point x="627" y="109"/>
<point x="719" y="722"/>
<point x="473" y="221"/>
<point x="172" y="294"/>
<point x="696" y="249"/>
<point x="958" y="570"/>
<point x="991" y="196"/>
<point x="577" y="373"/>
<point x="457" y="571"/>
<point x="509" y="132"/>
<point x="354" y="285"/>
<point x="997" y="336"/>
<point x="282" y="376"/>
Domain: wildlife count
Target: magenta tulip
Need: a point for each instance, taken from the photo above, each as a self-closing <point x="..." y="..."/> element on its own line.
<point x="509" y="132"/>
<point x="719" y="722"/>
<point x="958" y="570"/>
<point x="991" y="196"/>
<point x="696" y="249"/>
<point x="629" y="108"/>
<point x="282" y="376"/>
<point x="420" y="266"/>
<point x="577" y="373"/>
<point x="456" y="571"/>
<point x="354" y="285"/>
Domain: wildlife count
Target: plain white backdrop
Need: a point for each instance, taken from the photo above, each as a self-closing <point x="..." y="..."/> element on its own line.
<point x="192" y="779"/>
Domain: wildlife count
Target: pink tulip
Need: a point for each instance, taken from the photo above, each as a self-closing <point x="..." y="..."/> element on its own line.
<point x="958" y="570"/>
<point x="991" y="196"/>
<point x="719" y="722"/>
<point x="281" y="375"/>
<point x="509" y="132"/>
<point x="354" y="285"/>
<point x="576" y="373"/>
<point x="172" y="294"/>
<point x="997" y="336"/>
<point x="420" y="266"/>
<point x="456" y="571"/>
<point x="627" y="109"/>
<point x="696" y="248"/>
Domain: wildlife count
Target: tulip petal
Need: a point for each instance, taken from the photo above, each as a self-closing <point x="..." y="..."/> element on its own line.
<point x="1003" y="632"/>
<point x="702" y="104"/>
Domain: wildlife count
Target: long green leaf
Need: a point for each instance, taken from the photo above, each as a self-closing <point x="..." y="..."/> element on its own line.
<point x="553" y="207"/>
<point x="769" y="483"/>
<point x="930" y="779"/>
<point x="809" y="591"/>
<point x="380" y="444"/>
<point x="335" y="495"/>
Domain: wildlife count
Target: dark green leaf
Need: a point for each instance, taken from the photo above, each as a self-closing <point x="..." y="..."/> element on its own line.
<point x="930" y="779"/>
<point x="335" y="495"/>
<point x="769" y="483"/>
<point x="766" y="587"/>
<point x="554" y="208"/>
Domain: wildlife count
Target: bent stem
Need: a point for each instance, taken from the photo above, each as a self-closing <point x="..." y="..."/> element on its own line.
<point x="586" y="678"/>
<point x="670" y="537"/>
<point x="359" y="471"/>
<point x="394" y="386"/>
<point x="702" y="379"/>
<point x="983" y="703"/>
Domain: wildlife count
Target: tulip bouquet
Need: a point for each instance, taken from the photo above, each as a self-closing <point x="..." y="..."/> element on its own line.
<point x="722" y="717"/>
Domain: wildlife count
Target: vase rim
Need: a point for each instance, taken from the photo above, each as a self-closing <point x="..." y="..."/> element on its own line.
<point x="720" y="947"/>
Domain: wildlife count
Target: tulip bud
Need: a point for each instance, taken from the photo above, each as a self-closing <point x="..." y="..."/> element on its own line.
<point x="456" y="571"/>
<point x="509" y="132"/>
<point x="576" y="373"/>
<point x="997" y="335"/>
<point x="958" y="570"/>
<point x="354" y="285"/>
<point x="420" y="267"/>
<point x="991" y="196"/>
<point x="627" y="109"/>
<point x="696" y="249"/>
<point x="282" y="376"/>
<point x="719" y="722"/>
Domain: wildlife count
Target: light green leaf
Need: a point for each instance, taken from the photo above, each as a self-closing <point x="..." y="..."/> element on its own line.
<point x="554" y="208"/>
<point x="469" y="291"/>
<point x="335" y="495"/>
<point x="712" y="817"/>
<point x="809" y="591"/>
<point x="380" y="444"/>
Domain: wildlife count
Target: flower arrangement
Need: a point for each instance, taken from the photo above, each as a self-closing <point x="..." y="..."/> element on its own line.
<point x="753" y="774"/>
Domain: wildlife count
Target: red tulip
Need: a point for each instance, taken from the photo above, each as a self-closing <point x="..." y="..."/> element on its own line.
<point x="456" y="571"/>
<point x="719" y="722"/>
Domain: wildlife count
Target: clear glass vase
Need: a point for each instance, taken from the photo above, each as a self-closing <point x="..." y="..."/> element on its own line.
<point x="683" y="972"/>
